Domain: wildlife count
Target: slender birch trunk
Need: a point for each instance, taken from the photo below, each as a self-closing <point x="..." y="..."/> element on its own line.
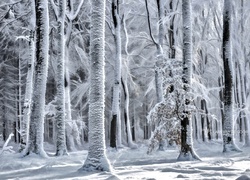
<point x="126" y="113"/>
<point x="160" y="58"/>
<point x="60" y="97"/>
<point x="71" y="16"/>
<point x="130" y="135"/>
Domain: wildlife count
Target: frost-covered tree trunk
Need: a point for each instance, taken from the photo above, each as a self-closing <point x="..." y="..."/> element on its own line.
<point x="35" y="140"/>
<point x="227" y="117"/>
<point x="69" y="122"/>
<point x="126" y="112"/>
<point x="244" y="79"/>
<point x="187" y="151"/>
<point x="60" y="96"/>
<point x="68" y="118"/>
<point x="171" y="37"/>
<point x="96" y="159"/>
<point x="70" y="143"/>
<point x="159" y="56"/>
<point x="71" y="14"/>
<point x="72" y="135"/>
<point x="24" y="124"/>
<point x="124" y="80"/>
<point x="115" y="136"/>
<point x="238" y="100"/>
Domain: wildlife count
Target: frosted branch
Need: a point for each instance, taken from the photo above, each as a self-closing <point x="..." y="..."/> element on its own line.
<point x="55" y="8"/>
<point x="12" y="3"/>
<point x="149" y="23"/>
<point x="72" y="16"/>
<point x="5" y="146"/>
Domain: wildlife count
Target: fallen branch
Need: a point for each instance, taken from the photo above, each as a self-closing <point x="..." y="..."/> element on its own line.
<point x="6" y="147"/>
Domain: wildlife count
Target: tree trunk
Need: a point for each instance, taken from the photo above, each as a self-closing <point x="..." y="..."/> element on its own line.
<point x="187" y="152"/>
<point x="203" y="122"/>
<point x="24" y="124"/>
<point x="96" y="159"/>
<point x="126" y="113"/>
<point x="227" y="118"/>
<point x="35" y="142"/>
<point x="171" y="33"/>
<point x="69" y="124"/>
<point x="159" y="57"/>
<point x="68" y="119"/>
<point x="60" y="96"/>
<point x="115" y="134"/>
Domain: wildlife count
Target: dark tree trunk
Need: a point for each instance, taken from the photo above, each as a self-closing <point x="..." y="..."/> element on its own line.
<point x="133" y="128"/>
<point x="196" y="127"/>
<point x="171" y="34"/>
<point x="4" y="124"/>
<point x="36" y="126"/>
<point x="126" y="129"/>
<point x="208" y="123"/>
<point x="113" y="131"/>
<point x="115" y="134"/>
<point x="227" y="118"/>
<point x="203" y="120"/>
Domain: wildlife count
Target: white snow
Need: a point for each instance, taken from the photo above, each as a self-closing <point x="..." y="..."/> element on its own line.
<point x="131" y="164"/>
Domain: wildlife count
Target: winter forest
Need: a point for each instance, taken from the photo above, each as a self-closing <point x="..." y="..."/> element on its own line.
<point x="124" y="89"/>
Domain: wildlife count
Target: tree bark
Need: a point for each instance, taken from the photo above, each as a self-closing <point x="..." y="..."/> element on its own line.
<point x="96" y="159"/>
<point x="24" y="130"/>
<point x="60" y="96"/>
<point x="36" y="138"/>
<point x="171" y="33"/>
<point x="115" y="133"/>
<point x="159" y="58"/>
<point x="126" y="113"/>
<point x="187" y="152"/>
<point x="227" y="117"/>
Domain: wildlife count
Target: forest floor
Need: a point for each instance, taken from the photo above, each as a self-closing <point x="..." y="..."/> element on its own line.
<point x="130" y="164"/>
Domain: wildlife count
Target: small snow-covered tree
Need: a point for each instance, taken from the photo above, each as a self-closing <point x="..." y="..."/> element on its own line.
<point x="166" y="116"/>
<point x="36" y="127"/>
<point x="96" y="159"/>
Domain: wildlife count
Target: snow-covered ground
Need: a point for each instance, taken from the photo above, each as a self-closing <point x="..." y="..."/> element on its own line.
<point x="131" y="164"/>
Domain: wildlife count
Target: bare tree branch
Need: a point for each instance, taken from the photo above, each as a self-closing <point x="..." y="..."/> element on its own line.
<point x="149" y="24"/>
